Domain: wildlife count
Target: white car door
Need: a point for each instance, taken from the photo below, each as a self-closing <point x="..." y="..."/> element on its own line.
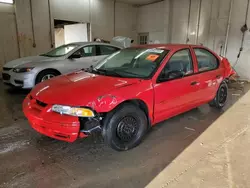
<point x="82" y="58"/>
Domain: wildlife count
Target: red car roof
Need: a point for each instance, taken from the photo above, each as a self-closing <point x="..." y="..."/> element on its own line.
<point x="168" y="46"/>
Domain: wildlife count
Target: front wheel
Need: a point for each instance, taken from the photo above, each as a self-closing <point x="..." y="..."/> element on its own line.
<point x="125" y="127"/>
<point x="45" y="75"/>
<point x="221" y="96"/>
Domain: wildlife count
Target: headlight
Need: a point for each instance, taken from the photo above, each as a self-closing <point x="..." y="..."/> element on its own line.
<point x="73" y="111"/>
<point x="19" y="70"/>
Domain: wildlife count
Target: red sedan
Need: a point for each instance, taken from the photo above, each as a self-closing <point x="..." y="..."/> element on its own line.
<point x="128" y="92"/>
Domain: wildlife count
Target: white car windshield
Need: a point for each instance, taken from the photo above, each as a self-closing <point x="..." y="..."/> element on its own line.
<point x="131" y="62"/>
<point x="61" y="50"/>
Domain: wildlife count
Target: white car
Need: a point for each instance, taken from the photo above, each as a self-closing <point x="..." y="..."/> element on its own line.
<point x="28" y="71"/>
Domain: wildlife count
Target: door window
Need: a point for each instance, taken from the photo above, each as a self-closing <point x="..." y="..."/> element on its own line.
<point x="107" y="50"/>
<point x="86" y="51"/>
<point x="179" y="63"/>
<point x="206" y="60"/>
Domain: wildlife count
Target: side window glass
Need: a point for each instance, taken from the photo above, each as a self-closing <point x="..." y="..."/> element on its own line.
<point x="107" y="50"/>
<point x="179" y="65"/>
<point x="206" y="60"/>
<point x="86" y="51"/>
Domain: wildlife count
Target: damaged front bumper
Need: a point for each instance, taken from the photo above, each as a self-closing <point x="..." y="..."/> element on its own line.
<point x="61" y="127"/>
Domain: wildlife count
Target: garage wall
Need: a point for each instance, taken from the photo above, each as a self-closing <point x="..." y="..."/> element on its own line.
<point x="154" y="19"/>
<point x="206" y="24"/>
<point x="8" y="38"/>
<point x="99" y="13"/>
<point x="235" y="37"/>
<point x="77" y="10"/>
<point x="125" y="20"/>
<point x="102" y="19"/>
<point x="41" y="41"/>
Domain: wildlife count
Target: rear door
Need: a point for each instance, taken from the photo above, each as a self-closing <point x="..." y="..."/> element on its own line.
<point x="103" y="51"/>
<point x="210" y="73"/>
<point x="175" y="96"/>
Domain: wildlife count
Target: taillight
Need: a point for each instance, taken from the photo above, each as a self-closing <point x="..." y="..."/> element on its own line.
<point x="229" y="71"/>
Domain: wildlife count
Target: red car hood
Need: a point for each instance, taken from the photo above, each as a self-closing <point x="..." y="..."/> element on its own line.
<point x="78" y="89"/>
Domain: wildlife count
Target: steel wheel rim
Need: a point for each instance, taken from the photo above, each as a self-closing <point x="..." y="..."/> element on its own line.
<point x="47" y="77"/>
<point x="127" y="129"/>
<point x="222" y="95"/>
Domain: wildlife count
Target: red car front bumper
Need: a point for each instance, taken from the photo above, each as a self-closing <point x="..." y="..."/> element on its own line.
<point x="51" y="124"/>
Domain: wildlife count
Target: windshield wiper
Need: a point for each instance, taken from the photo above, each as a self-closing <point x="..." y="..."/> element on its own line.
<point x="131" y="73"/>
<point x="107" y="72"/>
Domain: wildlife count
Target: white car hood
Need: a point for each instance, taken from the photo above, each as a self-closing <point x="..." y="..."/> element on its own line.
<point x="30" y="61"/>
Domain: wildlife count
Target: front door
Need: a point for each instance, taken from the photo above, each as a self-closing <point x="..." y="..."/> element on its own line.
<point x="82" y="58"/>
<point x="174" y="96"/>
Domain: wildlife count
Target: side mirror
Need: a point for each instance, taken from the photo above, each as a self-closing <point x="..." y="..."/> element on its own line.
<point x="75" y="56"/>
<point x="171" y="75"/>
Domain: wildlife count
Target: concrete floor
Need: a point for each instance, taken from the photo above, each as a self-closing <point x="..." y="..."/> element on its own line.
<point x="218" y="158"/>
<point x="28" y="159"/>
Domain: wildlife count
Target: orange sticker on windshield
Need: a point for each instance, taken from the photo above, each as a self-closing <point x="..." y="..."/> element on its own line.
<point x="152" y="57"/>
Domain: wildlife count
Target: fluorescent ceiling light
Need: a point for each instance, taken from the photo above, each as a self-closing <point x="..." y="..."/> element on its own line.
<point x="6" y="1"/>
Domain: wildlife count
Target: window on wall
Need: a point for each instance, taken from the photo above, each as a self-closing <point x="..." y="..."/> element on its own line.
<point x="143" y="38"/>
<point x="6" y="1"/>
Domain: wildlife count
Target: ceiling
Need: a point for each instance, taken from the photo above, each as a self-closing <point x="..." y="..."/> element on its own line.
<point x="139" y="2"/>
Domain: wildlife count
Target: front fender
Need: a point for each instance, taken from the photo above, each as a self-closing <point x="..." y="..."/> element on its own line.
<point x="142" y="91"/>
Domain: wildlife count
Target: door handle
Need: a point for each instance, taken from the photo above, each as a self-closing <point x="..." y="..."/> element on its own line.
<point x="218" y="76"/>
<point x="194" y="83"/>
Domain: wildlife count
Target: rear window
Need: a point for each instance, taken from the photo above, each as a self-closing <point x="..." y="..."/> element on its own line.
<point x="206" y="60"/>
<point x="107" y="50"/>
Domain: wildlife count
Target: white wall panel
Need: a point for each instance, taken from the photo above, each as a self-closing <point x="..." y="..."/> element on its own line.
<point x="6" y="8"/>
<point x="235" y="36"/>
<point x="125" y="22"/>
<point x="180" y="20"/>
<point x="150" y="17"/>
<point x="8" y="36"/>
<point x="154" y="20"/>
<point x="102" y="19"/>
<point x="59" y="37"/>
<point x="42" y="42"/>
<point x="24" y="27"/>
<point x="41" y="26"/>
<point x="75" y="33"/>
<point x="212" y="27"/>
<point x="156" y="36"/>
<point x="77" y="10"/>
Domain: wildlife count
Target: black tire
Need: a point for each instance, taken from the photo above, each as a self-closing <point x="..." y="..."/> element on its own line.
<point x="42" y="74"/>
<point x="124" y="127"/>
<point x="221" y="96"/>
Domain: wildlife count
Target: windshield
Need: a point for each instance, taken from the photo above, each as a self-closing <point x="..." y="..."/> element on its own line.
<point x="61" y="50"/>
<point x="132" y="62"/>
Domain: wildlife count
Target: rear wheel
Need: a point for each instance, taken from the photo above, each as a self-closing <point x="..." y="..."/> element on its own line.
<point x="46" y="75"/>
<point x="125" y="127"/>
<point x="221" y="97"/>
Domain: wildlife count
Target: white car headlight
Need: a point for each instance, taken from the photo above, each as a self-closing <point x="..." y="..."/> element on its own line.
<point x="73" y="111"/>
<point x="21" y="70"/>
